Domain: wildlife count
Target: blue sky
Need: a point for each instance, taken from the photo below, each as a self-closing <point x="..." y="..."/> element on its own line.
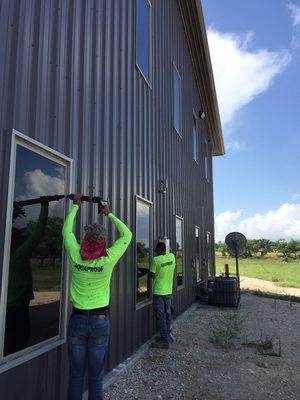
<point x="255" y="53"/>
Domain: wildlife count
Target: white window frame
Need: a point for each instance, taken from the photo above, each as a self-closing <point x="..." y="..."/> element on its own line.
<point x="148" y="79"/>
<point x="12" y="360"/>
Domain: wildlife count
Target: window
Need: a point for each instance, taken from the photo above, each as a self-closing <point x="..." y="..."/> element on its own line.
<point x="199" y="272"/>
<point x="143" y="248"/>
<point x="209" y="253"/>
<point x="195" y="140"/>
<point x="33" y="281"/>
<point x="176" y="100"/>
<point x="206" y="161"/>
<point x="179" y="252"/>
<point x="143" y="37"/>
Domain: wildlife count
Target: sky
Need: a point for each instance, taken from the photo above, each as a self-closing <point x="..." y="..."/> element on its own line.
<point x="255" y="53"/>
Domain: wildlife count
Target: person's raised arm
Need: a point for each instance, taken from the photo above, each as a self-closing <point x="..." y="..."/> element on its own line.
<point x="67" y="231"/>
<point x="121" y="244"/>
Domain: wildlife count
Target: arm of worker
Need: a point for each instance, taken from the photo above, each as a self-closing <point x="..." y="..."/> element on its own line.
<point x="35" y="236"/>
<point x="69" y="238"/>
<point x="120" y="245"/>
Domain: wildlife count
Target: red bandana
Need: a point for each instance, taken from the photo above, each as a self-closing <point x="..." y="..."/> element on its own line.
<point x="91" y="250"/>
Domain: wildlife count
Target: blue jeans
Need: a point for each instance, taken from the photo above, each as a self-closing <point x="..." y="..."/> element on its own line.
<point x="162" y="309"/>
<point x="87" y="345"/>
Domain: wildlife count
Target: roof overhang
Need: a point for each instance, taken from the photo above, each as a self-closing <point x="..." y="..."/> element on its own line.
<point x="194" y="26"/>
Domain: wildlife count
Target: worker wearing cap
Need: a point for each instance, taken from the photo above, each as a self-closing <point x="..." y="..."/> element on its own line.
<point x="91" y="266"/>
<point x="162" y="271"/>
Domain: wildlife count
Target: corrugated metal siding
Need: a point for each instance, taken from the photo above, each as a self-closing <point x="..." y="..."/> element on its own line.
<point x="68" y="79"/>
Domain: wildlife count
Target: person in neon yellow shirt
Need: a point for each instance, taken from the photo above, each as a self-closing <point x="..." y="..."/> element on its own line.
<point x="91" y="266"/>
<point x="162" y="271"/>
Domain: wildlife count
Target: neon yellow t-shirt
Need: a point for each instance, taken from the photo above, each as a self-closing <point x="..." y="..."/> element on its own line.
<point x="163" y="267"/>
<point x="90" y="279"/>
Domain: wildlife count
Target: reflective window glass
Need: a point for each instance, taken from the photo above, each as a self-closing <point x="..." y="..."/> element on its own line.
<point x="209" y="253"/>
<point x="198" y="253"/>
<point x="176" y="101"/>
<point x="179" y="251"/>
<point x="35" y="264"/>
<point x="143" y="243"/>
<point x="143" y="37"/>
<point x="206" y="161"/>
<point x="195" y="140"/>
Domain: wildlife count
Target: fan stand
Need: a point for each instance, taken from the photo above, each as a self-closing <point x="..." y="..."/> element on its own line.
<point x="237" y="275"/>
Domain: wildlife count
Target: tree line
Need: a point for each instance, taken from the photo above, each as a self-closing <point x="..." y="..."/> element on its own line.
<point x="261" y="247"/>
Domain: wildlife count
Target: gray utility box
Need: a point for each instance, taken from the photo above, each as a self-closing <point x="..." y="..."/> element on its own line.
<point x="223" y="291"/>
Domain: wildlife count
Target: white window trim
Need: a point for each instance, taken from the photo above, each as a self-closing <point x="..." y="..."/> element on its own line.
<point x="29" y="353"/>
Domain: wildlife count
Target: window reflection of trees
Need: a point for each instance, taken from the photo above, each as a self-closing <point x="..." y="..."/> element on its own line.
<point x="143" y="250"/>
<point x="179" y="252"/>
<point x="34" y="282"/>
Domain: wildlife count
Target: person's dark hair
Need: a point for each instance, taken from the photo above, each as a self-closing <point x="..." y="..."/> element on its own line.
<point x="161" y="246"/>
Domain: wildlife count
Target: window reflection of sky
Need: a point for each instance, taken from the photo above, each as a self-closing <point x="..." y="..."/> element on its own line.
<point x="176" y="100"/>
<point x="37" y="176"/>
<point x="143" y="223"/>
<point x="142" y="36"/>
<point x="179" y="233"/>
<point x="35" y="264"/>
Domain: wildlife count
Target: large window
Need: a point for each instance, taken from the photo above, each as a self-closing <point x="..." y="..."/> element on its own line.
<point x="143" y="249"/>
<point x="32" y="300"/>
<point x="176" y="100"/>
<point x="209" y="250"/>
<point x="199" y="272"/>
<point x="195" y="140"/>
<point x="179" y="252"/>
<point x="143" y="37"/>
<point x="207" y="160"/>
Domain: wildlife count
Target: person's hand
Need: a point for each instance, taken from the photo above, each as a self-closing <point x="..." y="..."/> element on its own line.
<point x="77" y="199"/>
<point x="105" y="210"/>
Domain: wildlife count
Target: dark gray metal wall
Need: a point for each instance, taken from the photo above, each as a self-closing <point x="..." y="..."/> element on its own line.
<point x="68" y="80"/>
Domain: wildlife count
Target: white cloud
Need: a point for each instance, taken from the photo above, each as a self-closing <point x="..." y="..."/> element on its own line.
<point x="295" y="13"/>
<point x="37" y="184"/>
<point x="241" y="74"/>
<point x="273" y="225"/>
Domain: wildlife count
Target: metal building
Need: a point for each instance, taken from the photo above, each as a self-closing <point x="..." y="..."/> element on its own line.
<point x="111" y="98"/>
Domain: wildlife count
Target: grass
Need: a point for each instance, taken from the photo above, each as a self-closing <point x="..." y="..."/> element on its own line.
<point x="269" y="268"/>
<point x="225" y="330"/>
<point x="46" y="279"/>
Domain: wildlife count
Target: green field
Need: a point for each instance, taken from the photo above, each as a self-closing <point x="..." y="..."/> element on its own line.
<point x="270" y="268"/>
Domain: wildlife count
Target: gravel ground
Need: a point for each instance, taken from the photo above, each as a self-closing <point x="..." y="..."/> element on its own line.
<point x="195" y="368"/>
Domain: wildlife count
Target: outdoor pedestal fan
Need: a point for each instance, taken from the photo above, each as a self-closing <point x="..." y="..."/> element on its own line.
<point x="224" y="290"/>
<point x="236" y="246"/>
